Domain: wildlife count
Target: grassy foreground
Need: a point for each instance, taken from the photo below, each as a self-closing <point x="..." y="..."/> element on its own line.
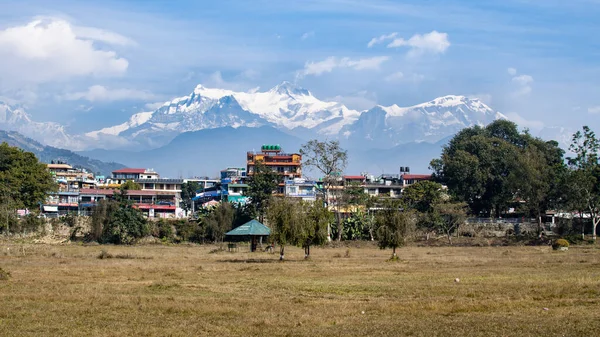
<point x="188" y="291"/>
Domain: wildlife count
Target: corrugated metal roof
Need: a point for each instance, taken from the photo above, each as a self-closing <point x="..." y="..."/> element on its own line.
<point x="251" y="228"/>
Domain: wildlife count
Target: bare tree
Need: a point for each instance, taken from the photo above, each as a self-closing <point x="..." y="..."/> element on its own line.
<point x="330" y="160"/>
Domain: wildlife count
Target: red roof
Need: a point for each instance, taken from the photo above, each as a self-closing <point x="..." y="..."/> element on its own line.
<point x="91" y="191"/>
<point x="416" y="176"/>
<point x="130" y="170"/>
<point x="354" y="177"/>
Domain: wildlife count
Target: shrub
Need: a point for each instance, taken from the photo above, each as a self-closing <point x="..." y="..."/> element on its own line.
<point x="104" y="255"/>
<point x="560" y="244"/>
<point x="4" y="275"/>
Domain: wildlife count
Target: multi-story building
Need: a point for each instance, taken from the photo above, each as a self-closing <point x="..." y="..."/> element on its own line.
<point x="233" y="185"/>
<point x="153" y="203"/>
<point x="287" y="165"/>
<point x="301" y="188"/>
<point x="70" y="178"/>
<point x="122" y="175"/>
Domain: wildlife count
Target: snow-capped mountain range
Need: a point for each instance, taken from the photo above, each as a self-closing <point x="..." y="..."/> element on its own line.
<point x="14" y="118"/>
<point x="296" y="111"/>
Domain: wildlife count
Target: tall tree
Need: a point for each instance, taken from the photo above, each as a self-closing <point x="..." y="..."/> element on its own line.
<point x="261" y="185"/>
<point x="24" y="181"/>
<point x="584" y="175"/>
<point x="188" y="192"/>
<point x="394" y="226"/>
<point x="220" y="221"/>
<point x="484" y="168"/>
<point x="329" y="159"/>
<point x="314" y="219"/>
<point x="285" y="220"/>
<point x="122" y="223"/>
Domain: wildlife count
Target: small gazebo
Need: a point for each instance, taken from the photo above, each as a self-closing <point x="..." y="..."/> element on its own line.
<point x="253" y="230"/>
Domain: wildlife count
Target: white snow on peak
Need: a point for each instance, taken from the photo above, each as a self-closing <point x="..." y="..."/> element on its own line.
<point x="135" y="120"/>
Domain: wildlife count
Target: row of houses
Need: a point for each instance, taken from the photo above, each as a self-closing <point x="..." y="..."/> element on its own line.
<point x="79" y="191"/>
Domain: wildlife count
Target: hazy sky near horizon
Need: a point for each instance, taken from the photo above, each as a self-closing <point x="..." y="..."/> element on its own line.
<point x="91" y="64"/>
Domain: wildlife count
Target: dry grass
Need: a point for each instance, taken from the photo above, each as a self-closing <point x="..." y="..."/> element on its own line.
<point x="184" y="290"/>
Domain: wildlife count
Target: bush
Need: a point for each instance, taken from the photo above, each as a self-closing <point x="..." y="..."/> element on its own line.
<point x="4" y="275"/>
<point x="164" y="230"/>
<point x="560" y="244"/>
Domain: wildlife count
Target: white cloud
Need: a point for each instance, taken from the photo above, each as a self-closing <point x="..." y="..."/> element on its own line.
<point x="307" y="35"/>
<point x="533" y="125"/>
<point x="522" y="84"/>
<point x="433" y="43"/>
<point x="95" y="34"/>
<point x="394" y="77"/>
<point x="380" y="39"/>
<point x="332" y="62"/>
<point x="361" y="100"/>
<point x="512" y="71"/>
<point x="49" y="50"/>
<point x="249" y="74"/>
<point x="594" y="109"/>
<point x="97" y="93"/>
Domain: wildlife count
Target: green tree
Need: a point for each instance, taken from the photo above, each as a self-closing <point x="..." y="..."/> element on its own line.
<point x="422" y="195"/>
<point x="393" y="226"/>
<point x="130" y="185"/>
<point x="448" y="217"/>
<point x="584" y="176"/>
<point x="123" y="224"/>
<point x="188" y="192"/>
<point x="286" y="221"/>
<point x="220" y="221"/>
<point x="24" y="181"/>
<point x="329" y="159"/>
<point x="484" y="167"/>
<point x="535" y="179"/>
<point x="261" y="185"/>
<point x="314" y="219"/>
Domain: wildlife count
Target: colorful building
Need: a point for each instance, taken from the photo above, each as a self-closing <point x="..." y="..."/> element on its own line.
<point x="287" y="165"/>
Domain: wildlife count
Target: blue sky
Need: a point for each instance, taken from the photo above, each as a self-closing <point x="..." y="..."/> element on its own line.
<point x="91" y="64"/>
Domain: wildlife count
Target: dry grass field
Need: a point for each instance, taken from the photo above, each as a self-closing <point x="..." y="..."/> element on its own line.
<point x="184" y="290"/>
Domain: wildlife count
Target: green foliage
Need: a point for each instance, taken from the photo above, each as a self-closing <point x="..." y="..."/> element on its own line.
<point x="329" y="159"/>
<point x="24" y="181"/>
<point x="357" y="226"/>
<point x="188" y="192"/>
<point x="560" y="243"/>
<point x="393" y="225"/>
<point x="313" y="221"/>
<point x="219" y="222"/>
<point x="117" y="221"/>
<point x="488" y="168"/>
<point x="285" y="221"/>
<point x="448" y="217"/>
<point x="421" y="196"/>
<point x="126" y="224"/>
<point x="261" y="185"/>
<point x="164" y="230"/>
<point x="130" y="185"/>
<point x="582" y="187"/>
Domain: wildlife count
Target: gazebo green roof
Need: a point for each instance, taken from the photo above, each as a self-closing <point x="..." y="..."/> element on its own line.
<point x="251" y="228"/>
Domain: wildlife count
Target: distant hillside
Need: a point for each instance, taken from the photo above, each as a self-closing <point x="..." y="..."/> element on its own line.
<point x="49" y="153"/>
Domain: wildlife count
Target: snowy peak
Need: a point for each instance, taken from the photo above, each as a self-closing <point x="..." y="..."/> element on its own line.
<point x="12" y="114"/>
<point x="287" y="88"/>
<point x="389" y="126"/>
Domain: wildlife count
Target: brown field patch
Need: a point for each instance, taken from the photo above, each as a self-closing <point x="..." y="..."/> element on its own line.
<point x="184" y="290"/>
